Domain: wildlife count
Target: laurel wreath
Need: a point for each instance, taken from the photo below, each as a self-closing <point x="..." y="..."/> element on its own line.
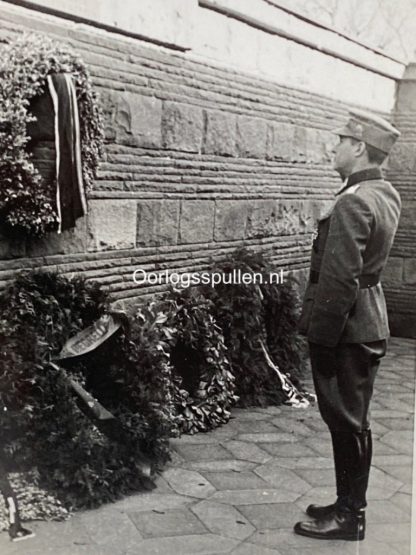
<point x="26" y="199"/>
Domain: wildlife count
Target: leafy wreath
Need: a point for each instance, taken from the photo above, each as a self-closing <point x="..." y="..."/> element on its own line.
<point x="204" y="386"/>
<point x="26" y="204"/>
<point x="179" y="341"/>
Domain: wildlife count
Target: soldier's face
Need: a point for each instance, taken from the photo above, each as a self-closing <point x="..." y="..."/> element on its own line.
<point x="345" y="156"/>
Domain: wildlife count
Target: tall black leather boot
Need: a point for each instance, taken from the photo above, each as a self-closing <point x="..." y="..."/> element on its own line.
<point x="348" y="522"/>
<point x="342" y="524"/>
<point x="341" y="451"/>
<point x="359" y="468"/>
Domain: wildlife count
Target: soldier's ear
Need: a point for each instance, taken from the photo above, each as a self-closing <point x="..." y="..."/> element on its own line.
<point x="360" y="148"/>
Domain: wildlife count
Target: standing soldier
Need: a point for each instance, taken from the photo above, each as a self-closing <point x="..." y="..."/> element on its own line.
<point x="344" y="315"/>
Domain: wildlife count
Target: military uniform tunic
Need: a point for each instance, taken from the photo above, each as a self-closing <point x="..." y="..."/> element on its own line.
<point x="344" y="313"/>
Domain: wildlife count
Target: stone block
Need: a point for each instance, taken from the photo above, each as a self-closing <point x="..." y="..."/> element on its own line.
<point x="157" y="222"/>
<point x="288" y="217"/>
<point x="403" y="158"/>
<point x="12" y="247"/>
<point x="409" y="271"/>
<point x="393" y="271"/>
<point x="138" y="120"/>
<point x="251" y="137"/>
<point x="280" y="138"/>
<point x="221" y="133"/>
<point x="197" y="221"/>
<point x="278" y="217"/>
<point x="230" y="219"/>
<point x="318" y="145"/>
<point x="406" y="95"/>
<point x="407" y="217"/>
<point x="69" y="241"/>
<point x="182" y="127"/>
<point x="112" y="224"/>
<point x="108" y="102"/>
<point x="299" y="145"/>
<point x="309" y="211"/>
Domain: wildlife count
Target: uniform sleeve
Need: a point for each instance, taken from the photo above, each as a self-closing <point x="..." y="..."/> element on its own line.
<point x="342" y="263"/>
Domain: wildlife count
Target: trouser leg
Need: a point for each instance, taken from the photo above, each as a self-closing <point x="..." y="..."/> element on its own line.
<point x="344" y="379"/>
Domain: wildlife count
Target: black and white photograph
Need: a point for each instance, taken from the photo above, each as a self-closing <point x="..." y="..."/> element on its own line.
<point x="207" y="277"/>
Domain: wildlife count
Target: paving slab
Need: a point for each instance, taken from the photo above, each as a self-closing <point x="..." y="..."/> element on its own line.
<point x="152" y="502"/>
<point x="379" y="511"/>
<point x="317" y="477"/>
<point x="291" y="425"/>
<point x="303" y="462"/>
<point x="401" y="548"/>
<point x="222" y="465"/>
<point x="229" y="480"/>
<point x="402" y="500"/>
<point x="282" y="478"/>
<point x="192" y="452"/>
<point x="285" y="538"/>
<point x="251" y="415"/>
<point x="397" y="532"/>
<point x="401" y="473"/>
<point x="254" y="427"/>
<point x="254" y="496"/>
<point x="280" y="437"/>
<point x="188" y="482"/>
<point x="401" y="440"/>
<point x="172" y="522"/>
<point x="223" y="519"/>
<point x="322" y="548"/>
<point x="197" y="544"/>
<point x="110" y="528"/>
<point x="322" y="447"/>
<point x="247" y="451"/>
<point x="252" y="549"/>
<point x="287" y="449"/>
<point x="274" y="516"/>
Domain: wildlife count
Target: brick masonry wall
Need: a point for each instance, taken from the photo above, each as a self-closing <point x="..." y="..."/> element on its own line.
<point x="199" y="159"/>
<point x="400" y="274"/>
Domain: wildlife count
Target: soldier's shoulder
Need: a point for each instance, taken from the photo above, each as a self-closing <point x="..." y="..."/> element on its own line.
<point x="372" y="191"/>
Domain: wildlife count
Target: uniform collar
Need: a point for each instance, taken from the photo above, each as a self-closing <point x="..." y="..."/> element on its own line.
<point x="363" y="175"/>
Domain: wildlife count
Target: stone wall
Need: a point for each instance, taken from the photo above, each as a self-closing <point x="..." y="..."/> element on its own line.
<point x="400" y="274"/>
<point x="202" y="156"/>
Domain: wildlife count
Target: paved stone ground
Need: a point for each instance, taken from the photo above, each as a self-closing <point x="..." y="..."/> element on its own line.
<point x="241" y="488"/>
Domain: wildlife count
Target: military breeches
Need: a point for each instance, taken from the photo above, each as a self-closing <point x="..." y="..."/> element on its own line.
<point x="344" y="377"/>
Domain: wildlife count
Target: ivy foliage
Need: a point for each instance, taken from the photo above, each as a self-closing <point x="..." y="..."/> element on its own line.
<point x="41" y="424"/>
<point x="254" y="313"/>
<point x="26" y="200"/>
